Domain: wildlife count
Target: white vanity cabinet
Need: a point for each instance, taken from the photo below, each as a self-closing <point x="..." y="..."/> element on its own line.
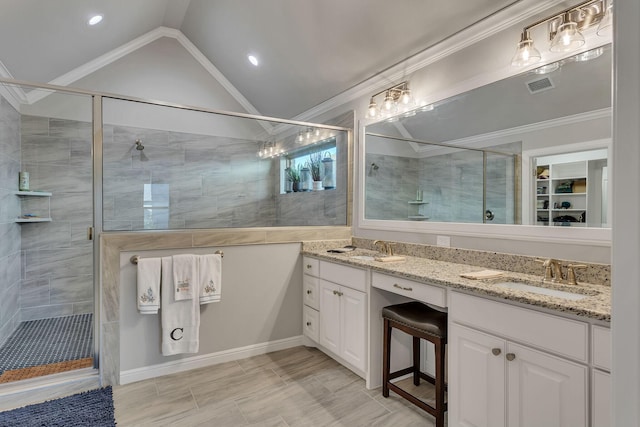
<point x="511" y="366"/>
<point x="336" y="294"/>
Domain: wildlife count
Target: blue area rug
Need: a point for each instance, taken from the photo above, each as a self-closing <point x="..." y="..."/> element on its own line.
<point x="46" y="341"/>
<point x="92" y="408"/>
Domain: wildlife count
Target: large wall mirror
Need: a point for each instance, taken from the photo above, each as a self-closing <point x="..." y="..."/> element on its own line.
<point x="532" y="149"/>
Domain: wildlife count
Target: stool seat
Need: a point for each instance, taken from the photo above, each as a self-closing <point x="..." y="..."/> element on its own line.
<point x="421" y="322"/>
<point x="418" y="316"/>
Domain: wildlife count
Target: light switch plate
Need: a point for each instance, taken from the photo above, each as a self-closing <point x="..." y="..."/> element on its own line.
<point x="443" y="241"/>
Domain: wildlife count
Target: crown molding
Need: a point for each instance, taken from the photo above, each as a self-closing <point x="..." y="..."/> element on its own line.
<point x="499" y="21"/>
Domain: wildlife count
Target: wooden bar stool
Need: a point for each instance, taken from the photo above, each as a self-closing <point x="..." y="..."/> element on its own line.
<point x="421" y="322"/>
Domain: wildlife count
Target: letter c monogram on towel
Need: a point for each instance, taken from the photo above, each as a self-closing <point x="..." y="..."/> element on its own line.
<point x="174" y="331"/>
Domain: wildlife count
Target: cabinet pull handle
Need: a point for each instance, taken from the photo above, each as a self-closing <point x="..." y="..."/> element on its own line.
<point x="510" y="356"/>
<point x="308" y="323"/>
<point x="340" y="294"/>
<point x="395" y="285"/>
<point x="308" y="291"/>
<point x="308" y="266"/>
<point x="496" y="351"/>
<point x="335" y="292"/>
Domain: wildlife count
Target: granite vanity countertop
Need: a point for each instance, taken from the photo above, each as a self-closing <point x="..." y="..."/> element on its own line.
<point x="597" y="304"/>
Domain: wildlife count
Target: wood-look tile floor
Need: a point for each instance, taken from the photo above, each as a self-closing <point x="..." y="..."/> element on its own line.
<point x="296" y="387"/>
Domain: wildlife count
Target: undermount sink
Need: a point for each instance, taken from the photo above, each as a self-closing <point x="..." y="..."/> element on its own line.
<point x="542" y="291"/>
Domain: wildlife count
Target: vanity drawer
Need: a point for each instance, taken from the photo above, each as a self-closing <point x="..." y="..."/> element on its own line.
<point x="311" y="323"/>
<point x="414" y="290"/>
<point x="354" y="278"/>
<point x="311" y="266"/>
<point x="310" y="289"/>
<point x="601" y="351"/>
<point x="562" y="336"/>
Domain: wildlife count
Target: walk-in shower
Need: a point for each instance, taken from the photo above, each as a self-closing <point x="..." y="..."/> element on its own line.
<point x="99" y="164"/>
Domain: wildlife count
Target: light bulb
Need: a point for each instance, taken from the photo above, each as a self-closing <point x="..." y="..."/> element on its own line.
<point x="568" y="37"/>
<point x="526" y="53"/>
<point x="406" y="98"/>
<point x="373" y="108"/>
<point x="388" y="103"/>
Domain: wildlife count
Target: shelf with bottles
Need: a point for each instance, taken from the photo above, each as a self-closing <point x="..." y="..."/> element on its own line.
<point x="33" y="207"/>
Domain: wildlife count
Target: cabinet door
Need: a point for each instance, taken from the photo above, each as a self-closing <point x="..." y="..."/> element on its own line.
<point x="544" y="390"/>
<point x="476" y="378"/>
<point x="330" y="316"/>
<point x="353" y="341"/>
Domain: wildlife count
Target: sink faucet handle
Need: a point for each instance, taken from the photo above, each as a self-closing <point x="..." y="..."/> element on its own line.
<point x="571" y="273"/>
<point x="390" y="247"/>
<point x="383" y="244"/>
<point x="548" y="273"/>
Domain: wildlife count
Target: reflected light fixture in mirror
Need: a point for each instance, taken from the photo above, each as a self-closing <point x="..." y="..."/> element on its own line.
<point x="564" y="30"/>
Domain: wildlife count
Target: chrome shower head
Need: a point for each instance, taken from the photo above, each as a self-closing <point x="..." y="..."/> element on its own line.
<point x="139" y="145"/>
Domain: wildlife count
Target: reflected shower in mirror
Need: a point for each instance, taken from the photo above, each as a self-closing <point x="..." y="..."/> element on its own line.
<point x="472" y="158"/>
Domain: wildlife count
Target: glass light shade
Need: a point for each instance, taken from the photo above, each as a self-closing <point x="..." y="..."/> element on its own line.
<point x="605" y="26"/>
<point x="388" y="103"/>
<point x="372" y="111"/>
<point x="567" y="38"/>
<point x="526" y="53"/>
<point x="546" y="69"/>
<point x="406" y="98"/>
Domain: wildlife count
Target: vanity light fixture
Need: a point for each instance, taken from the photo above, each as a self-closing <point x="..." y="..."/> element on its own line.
<point x="253" y="60"/>
<point x="564" y="30"/>
<point x="397" y="97"/>
<point x="269" y="150"/>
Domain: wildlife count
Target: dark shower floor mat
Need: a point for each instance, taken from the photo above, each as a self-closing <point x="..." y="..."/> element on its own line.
<point x="46" y="341"/>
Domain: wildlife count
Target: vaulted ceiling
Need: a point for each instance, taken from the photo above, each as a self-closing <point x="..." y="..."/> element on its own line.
<point x="309" y="50"/>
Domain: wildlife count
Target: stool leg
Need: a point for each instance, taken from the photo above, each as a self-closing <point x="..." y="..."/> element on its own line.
<point x="386" y="358"/>
<point x="440" y="383"/>
<point x="416" y="361"/>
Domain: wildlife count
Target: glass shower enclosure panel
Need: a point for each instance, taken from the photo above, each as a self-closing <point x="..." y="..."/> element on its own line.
<point x="47" y="299"/>
<point x="172" y="167"/>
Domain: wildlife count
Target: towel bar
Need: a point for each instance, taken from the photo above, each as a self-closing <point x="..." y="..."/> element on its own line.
<point x="134" y="259"/>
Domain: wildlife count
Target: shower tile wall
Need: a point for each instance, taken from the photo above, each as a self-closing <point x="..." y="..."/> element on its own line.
<point x="200" y="181"/>
<point x="57" y="257"/>
<point x="451" y="184"/>
<point x="390" y="187"/>
<point x="9" y="211"/>
<point x="193" y="181"/>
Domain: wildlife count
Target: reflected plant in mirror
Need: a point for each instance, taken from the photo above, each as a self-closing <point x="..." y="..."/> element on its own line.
<point x="480" y="151"/>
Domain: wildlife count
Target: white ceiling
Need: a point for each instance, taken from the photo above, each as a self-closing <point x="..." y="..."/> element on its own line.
<point x="310" y="50"/>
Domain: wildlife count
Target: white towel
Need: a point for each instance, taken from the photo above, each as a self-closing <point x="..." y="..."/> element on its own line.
<point x="180" y="318"/>
<point x="210" y="278"/>
<point x="185" y="274"/>
<point x="148" y="286"/>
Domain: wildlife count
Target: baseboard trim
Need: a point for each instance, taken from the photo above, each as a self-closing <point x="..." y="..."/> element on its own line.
<point x="201" y="361"/>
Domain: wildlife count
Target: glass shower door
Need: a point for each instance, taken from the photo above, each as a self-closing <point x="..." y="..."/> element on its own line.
<point x="46" y="320"/>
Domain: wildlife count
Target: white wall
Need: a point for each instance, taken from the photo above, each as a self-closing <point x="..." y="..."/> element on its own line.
<point x="261" y="302"/>
<point x="162" y="70"/>
<point x="626" y="221"/>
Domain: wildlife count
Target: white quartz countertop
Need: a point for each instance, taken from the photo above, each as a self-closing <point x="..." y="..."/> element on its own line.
<point x="596" y="305"/>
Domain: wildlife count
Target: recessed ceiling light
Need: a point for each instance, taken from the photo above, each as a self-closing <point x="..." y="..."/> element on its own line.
<point x="253" y="60"/>
<point x="95" y="19"/>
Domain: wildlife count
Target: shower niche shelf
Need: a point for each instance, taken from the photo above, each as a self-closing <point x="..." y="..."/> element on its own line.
<point x="37" y="206"/>
<point x="416" y="210"/>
